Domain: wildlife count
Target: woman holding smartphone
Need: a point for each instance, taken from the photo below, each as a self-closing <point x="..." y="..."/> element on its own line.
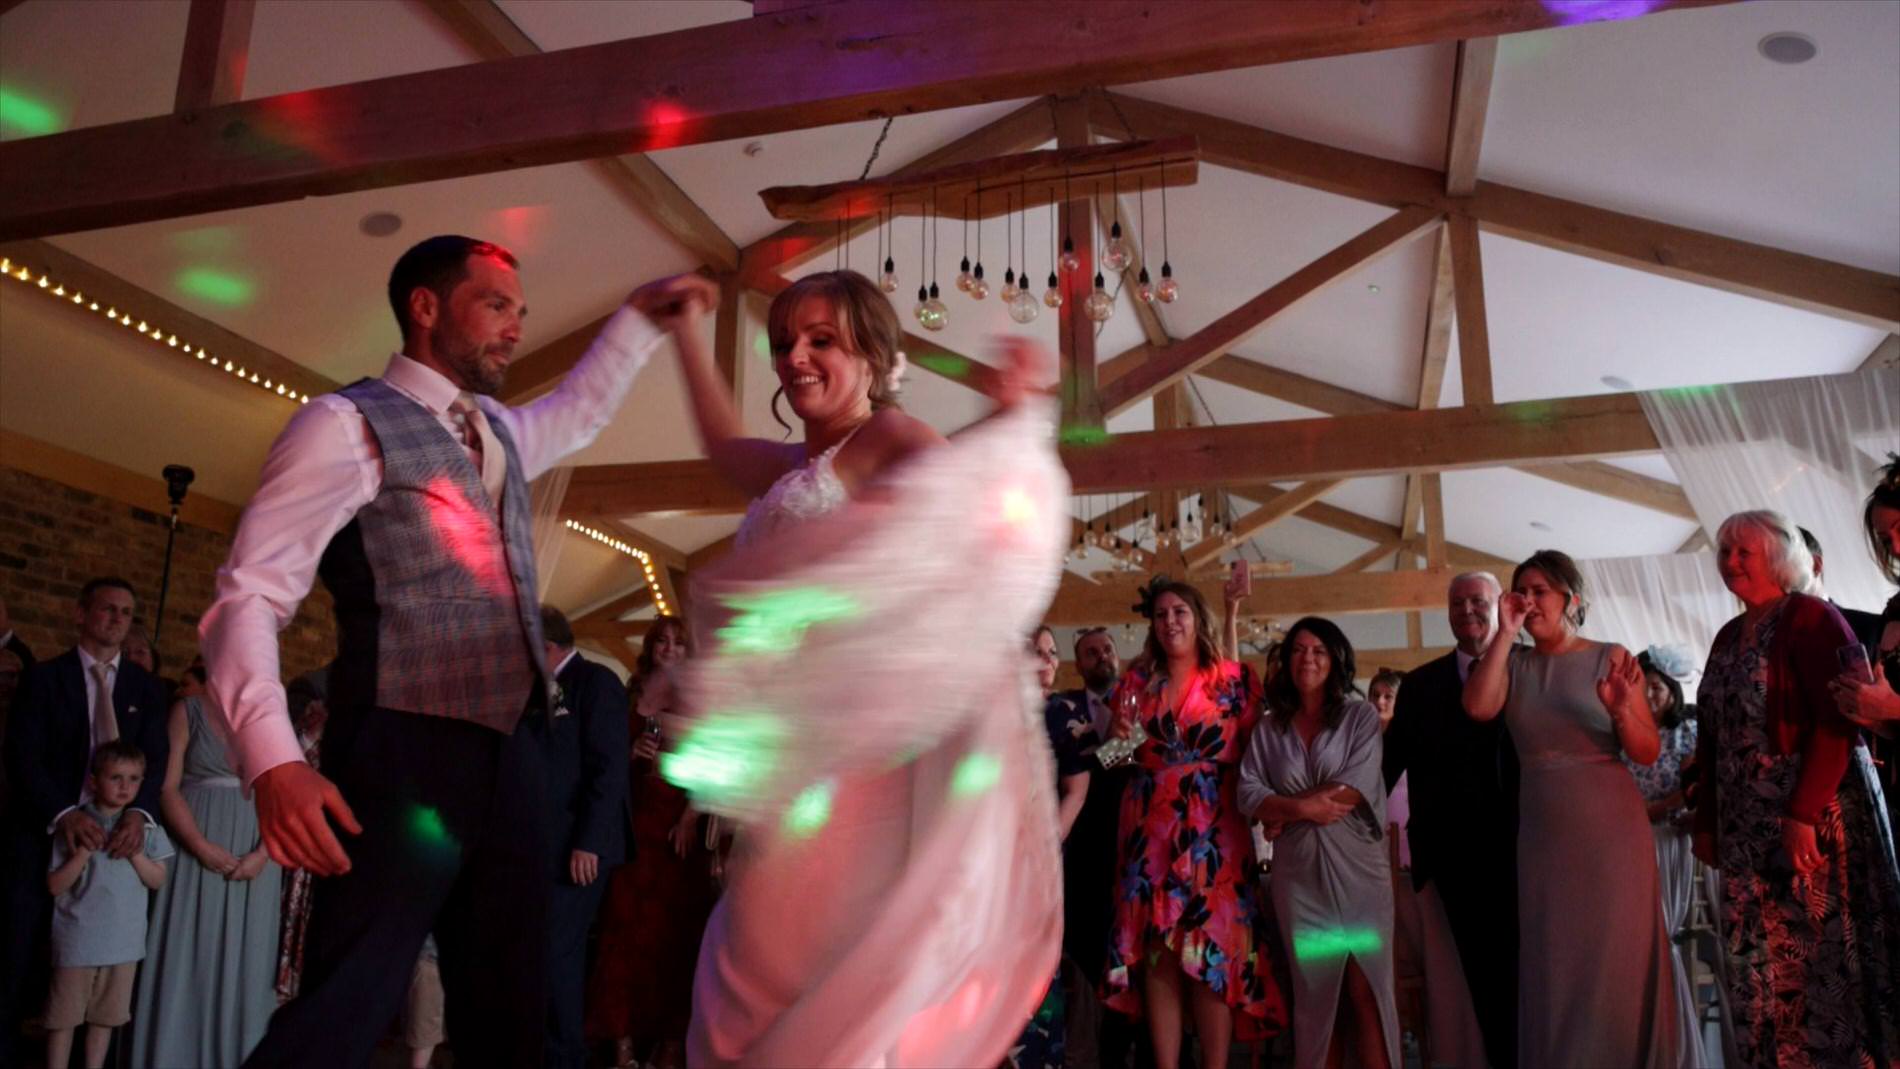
<point x="1810" y="898"/>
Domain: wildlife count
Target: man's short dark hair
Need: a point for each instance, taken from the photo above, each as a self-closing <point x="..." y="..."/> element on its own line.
<point x="438" y="264"/>
<point x="114" y="752"/>
<point x="95" y="585"/>
<point x="1813" y="543"/>
<point x="555" y="628"/>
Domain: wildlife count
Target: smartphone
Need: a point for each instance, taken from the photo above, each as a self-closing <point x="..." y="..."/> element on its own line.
<point x="1854" y="663"/>
<point x="1241" y="577"/>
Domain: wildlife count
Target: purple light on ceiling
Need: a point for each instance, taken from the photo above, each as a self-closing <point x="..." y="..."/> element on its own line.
<point x="1577" y="12"/>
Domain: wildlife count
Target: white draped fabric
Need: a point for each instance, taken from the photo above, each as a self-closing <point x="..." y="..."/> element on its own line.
<point x="1805" y="447"/>
<point x="862" y="705"/>
<point x="549" y="533"/>
<point x="1676" y="601"/>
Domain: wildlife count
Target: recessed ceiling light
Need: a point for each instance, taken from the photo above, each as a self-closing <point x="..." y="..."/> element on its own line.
<point x="1539" y="525"/>
<point x="380" y="224"/>
<point x="753" y="148"/>
<point x="1373" y="288"/>
<point x="1789" y="48"/>
<point x="1617" y="382"/>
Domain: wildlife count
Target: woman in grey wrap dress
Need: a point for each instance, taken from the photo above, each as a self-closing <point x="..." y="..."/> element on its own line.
<point x="1312" y="769"/>
<point x="1595" y="982"/>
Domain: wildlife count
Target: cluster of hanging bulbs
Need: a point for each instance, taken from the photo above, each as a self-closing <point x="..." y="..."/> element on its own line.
<point x="1151" y="530"/>
<point x="1017" y="293"/>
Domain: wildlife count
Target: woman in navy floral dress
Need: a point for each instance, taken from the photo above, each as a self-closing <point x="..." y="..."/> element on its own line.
<point x="1810" y="905"/>
<point x="1185" y="937"/>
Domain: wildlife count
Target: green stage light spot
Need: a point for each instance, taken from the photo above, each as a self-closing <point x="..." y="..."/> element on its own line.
<point x="776" y="622"/>
<point x="24" y="115"/>
<point x="1314" y="944"/>
<point x="724" y="754"/>
<point x="216" y="286"/>
<point x="810" y="811"/>
<point x="975" y="774"/>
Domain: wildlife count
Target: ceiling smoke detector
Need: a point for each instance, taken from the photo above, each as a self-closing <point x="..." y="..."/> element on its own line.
<point x="1539" y="525"/>
<point x="1617" y="382"/>
<point x="1788" y="48"/>
<point x="380" y="224"/>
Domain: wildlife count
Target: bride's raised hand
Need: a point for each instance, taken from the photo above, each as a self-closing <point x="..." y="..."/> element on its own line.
<point x="676" y="303"/>
<point x="1022" y="367"/>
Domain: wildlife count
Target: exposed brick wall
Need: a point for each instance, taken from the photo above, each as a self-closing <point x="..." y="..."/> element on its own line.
<point x="54" y="537"/>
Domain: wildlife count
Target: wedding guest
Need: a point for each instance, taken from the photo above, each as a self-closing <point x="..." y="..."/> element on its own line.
<point x="1594" y="981"/>
<point x="1810" y="908"/>
<point x="1044" y="1042"/>
<point x="205" y="993"/>
<point x="1313" y="768"/>
<point x="1185" y="915"/>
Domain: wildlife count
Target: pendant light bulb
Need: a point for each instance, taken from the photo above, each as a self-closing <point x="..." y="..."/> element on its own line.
<point x="1008" y="292"/>
<point x="1052" y="297"/>
<point x="1116" y="254"/>
<point x="1144" y="289"/>
<point x="964" y="277"/>
<point x="1023" y="307"/>
<point x="1070" y="261"/>
<point x="1167" y="289"/>
<point x="923" y="297"/>
<point x="888" y="283"/>
<point x="1099" y="305"/>
<point x="979" y="289"/>
<point x="932" y="313"/>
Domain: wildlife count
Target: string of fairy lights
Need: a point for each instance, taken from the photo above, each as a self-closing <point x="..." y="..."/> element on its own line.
<point x="641" y="555"/>
<point x="57" y="290"/>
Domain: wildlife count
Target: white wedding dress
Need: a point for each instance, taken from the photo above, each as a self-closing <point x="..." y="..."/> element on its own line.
<point x="862" y="706"/>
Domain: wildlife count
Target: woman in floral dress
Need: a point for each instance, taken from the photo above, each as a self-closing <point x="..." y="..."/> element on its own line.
<point x="1186" y="917"/>
<point x="1810" y="907"/>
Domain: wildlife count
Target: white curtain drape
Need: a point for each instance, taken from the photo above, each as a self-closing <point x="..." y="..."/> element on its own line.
<point x="1805" y="447"/>
<point x="550" y="534"/>
<point x="1675" y="601"/>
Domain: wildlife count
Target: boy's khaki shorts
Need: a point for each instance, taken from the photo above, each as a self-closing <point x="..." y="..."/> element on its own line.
<point x="422" y="1017"/>
<point x="91" y="994"/>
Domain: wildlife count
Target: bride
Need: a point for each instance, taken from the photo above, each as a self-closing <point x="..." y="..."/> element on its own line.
<point x="863" y="708"/>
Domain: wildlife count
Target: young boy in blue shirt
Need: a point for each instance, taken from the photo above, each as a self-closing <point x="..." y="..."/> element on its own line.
<point x="99" y="907"/>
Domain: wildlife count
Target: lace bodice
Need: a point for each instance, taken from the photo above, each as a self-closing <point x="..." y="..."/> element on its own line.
<point x="806" y="492"/>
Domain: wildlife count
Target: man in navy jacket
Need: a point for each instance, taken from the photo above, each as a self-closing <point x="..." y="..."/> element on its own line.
<point x="584" y="739"/>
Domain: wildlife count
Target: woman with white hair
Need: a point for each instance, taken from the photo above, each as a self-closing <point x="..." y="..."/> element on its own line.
<point x="1810" y="897"/>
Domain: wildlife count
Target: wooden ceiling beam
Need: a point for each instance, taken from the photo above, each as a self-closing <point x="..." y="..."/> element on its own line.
<point x="614" y="608"/>
<point x="1340" y="447"/>
<point x="1474" y="332"/>
<point x="1434" y="508"/>
<point x="1378" y="552"/>
<point x="1166" y="366"/>
<point x="1470" y="100"/>
<point x="217" y="49"/>
<point x="488" y="31"/>
<point x="819" y="66"/>
<point x="1079" y="602"/>
<point x="1760" y="271"/>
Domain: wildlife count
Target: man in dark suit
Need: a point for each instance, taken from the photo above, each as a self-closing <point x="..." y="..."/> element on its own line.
<point x="1867" y="625"/>
<point x="11" y="642"/>
<point x="1463" y="828"/>
<point x="1088" y="853"/>
<point x="65" y="708"/>
<point x="584" y="741"/>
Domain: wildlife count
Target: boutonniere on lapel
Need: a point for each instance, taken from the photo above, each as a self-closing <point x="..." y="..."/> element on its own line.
<point x="559" y="703"/>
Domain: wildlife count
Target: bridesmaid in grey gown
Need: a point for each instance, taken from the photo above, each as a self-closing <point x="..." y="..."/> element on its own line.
<point x="207" y="987"/>
<point x="1595" y="985"/>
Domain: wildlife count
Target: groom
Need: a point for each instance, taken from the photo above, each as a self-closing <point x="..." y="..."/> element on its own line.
<point x="408" y="495"/>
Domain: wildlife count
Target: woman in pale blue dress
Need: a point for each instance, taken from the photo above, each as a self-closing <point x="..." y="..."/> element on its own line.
<point x="208" y="985"/>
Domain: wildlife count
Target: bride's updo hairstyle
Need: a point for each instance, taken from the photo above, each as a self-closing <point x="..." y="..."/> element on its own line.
<point x="867" y="326"/>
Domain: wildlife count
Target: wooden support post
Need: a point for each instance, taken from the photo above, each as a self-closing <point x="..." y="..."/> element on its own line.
<point x="1081" y="407"/>
<point x="727" y="336"/>
<point x="217" y="47"/>
<point x="1474" y="336"/>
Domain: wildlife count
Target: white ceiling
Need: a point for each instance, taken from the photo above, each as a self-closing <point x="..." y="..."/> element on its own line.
<point x="1674" y="117"/>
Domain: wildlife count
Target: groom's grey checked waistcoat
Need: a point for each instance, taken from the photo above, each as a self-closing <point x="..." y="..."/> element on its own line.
<point x="435" y="593"/>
